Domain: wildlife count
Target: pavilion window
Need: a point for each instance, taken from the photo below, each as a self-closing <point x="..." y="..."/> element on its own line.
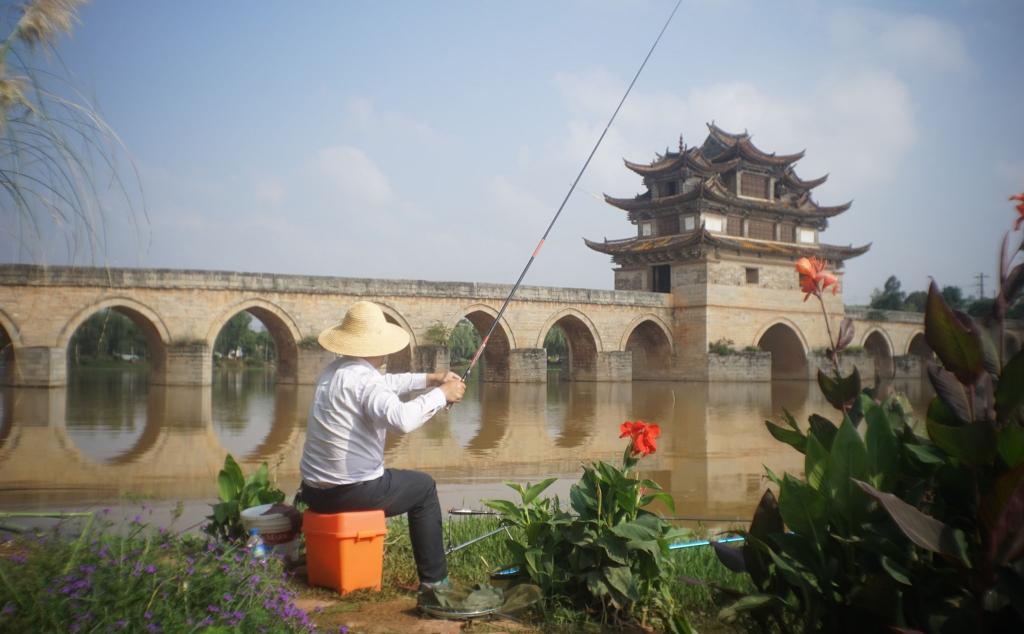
<point x="689" y="223"/>
<point x="760" y="230"/>
<point x="753" y="274"/>
<point x="786" y="233"/>
<point x="646" y="229"/>
<point x="661" y="278"/>
<point x="668" y="225"/>
<point x="714" y="223"/>
<point x="755" y="186"/>
<point x="734" y="225"/>
<point x="670" y="188"/>
<point x="806" y="236"/>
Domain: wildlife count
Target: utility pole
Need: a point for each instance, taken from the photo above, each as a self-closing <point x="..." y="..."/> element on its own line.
<point x="981" y="285"/>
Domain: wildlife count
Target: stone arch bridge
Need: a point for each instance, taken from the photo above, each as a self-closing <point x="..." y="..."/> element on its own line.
<point x="612" y="335"/>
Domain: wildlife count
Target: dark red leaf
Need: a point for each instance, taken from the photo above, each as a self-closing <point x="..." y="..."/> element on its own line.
<point x="956" y="346"/>
<point x="920" y="528"/>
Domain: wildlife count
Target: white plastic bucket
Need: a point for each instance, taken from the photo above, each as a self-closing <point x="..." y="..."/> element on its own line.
<point x="275" y="530"/>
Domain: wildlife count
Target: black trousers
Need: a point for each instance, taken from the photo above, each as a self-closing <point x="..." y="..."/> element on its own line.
<point x="397" y="491"/>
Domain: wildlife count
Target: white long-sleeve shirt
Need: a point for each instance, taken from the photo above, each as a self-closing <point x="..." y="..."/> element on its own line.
<point x="353" y="407"/>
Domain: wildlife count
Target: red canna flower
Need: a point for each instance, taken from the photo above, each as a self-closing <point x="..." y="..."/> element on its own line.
<point x="814" y="278"/>
<point x="642" y="436"/>
<point x="1020" y="210"/>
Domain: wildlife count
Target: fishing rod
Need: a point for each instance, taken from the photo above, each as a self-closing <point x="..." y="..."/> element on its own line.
<point x="529" y="263"/>
<point x="671" y="518"/>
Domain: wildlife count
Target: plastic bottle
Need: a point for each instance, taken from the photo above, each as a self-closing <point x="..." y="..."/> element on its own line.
<point x="255" y="544"/>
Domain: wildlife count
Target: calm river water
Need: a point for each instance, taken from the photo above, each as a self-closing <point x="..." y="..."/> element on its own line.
<point x="110" y="436"/>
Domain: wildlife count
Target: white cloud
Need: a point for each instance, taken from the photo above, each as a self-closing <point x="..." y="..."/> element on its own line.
<point x="362" y="114"/>
<point x="857" y="126"/>
<point x="907" y="41"/>
<point x="353" y="175"/>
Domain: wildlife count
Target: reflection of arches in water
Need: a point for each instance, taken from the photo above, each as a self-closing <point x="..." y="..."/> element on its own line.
<point x="583" y="344"/>
<point x="571" y="412"/>
<point x="284" y="424"/>
<point x="495" y="404"/>
<point x="791" y="396"/>
<point x="878" y="346"/>
<point x="6" y="414"/>
<point x="655" y="402"/>
<point x="113" y="417"/>
<point x="652" y="351"/>
<point x="789" y="359"/>
<point x="145" y="319"/>
<point x="279" y="325"/>
<point x="245" y="409"/>
<point x="494" y="365"/>
<point x="919" y="347"/>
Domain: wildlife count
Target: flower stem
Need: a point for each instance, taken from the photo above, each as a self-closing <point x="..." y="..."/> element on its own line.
<point x="831" y="342"/>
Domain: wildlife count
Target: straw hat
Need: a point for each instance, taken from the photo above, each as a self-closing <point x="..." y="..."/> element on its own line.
<point x="364" y="333"/>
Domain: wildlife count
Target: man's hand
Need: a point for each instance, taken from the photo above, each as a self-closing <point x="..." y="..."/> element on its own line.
<point x="437" y="378"/>
<point x="453" y="389"/>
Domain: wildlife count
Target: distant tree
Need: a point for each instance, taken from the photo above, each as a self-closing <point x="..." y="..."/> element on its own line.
<point x="980" y="307"/>
<point x="954" y="297"/>
<point x="915" y="302"/>
<point x="107" y="334"/>
<point x="231" y="335"/>
<point x="463" y="341"/>
<point x="890" y="297"/>
<point x="555" y="342"/>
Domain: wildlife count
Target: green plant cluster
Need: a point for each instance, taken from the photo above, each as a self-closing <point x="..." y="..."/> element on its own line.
<point x="237" y="493"/>
<point x="132" y="578"/>
<point x="722" y="346"/>
<point x="890" y="530"/>
<point x="610" y="557"/>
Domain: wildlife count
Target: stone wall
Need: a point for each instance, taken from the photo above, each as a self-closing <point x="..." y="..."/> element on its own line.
<point x="740" y="366"/>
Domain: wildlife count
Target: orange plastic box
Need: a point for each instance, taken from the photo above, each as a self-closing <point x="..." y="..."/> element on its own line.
<point x="345" y="551"/>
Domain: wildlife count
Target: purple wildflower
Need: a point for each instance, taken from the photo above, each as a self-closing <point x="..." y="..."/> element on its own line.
<point x="8" y="610"/>
<point x="150" y="569"/>
<point x="227" y="597"/>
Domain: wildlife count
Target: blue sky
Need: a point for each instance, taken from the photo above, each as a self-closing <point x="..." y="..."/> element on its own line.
<point x="435" y="140"/>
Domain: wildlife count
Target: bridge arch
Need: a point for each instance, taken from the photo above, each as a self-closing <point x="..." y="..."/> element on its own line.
<point x="400" y="361"/>
<point x="279" y="324"/>
<point x="495" y="358"/>
<point x="918" y="346"/>
<point x="879" y="346"/>
<point x="149" y="322"/>
<point x="10" y="339"/>
<point x="650" y="341"/>
<point x="788" y="346"/>
<point x="583" y="339"/>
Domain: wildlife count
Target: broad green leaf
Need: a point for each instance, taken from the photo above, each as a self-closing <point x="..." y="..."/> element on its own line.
<point x="824" y="429"/>
<point x="1010" y="444"/>
<point x="926" y="454"/>
<point x="956" y="346"/>
<point x="621" y="578"/>
<point x="1003" y="514"/>
<point x="921" y="528"/>
<point x="974" y="444"/>
<point x="848" y="460"/>
<point x="234" y="472"/>
<point x="815" y="462"/>
<point x="786" y="416"/>
<point x="793" y="438"/>
<point x="635" y="531"/>
<point x="614" y="548"/>
<point x="803" y="509"/>
<point x="896" y="571"/>
<point x="842" y="391"/>
<point x="750" y="602"/>
<point x="508" y="509"/>
<point x="660" y="496"/>
<point x="1010" y="393"/>
<point x="532" y="493"/>
<point x="730" y="556"/>
<point x="881" y="444"/>
<point x="226" y="487"/>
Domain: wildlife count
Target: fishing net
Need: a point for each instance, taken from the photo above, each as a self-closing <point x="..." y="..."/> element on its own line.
<point x="476" y="601"/>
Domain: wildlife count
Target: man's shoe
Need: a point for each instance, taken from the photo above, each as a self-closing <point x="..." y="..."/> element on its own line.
<point x="429" y="591"/>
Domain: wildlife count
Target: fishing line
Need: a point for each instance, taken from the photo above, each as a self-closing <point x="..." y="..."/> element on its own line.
<point x="490" y="331"/>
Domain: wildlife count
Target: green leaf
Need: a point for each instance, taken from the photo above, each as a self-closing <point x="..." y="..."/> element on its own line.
<point x="621" y="578"/>
<point x="786" y="416"/>
<point x="532" y="493"/>
<point x="803" y="509"/>
<point x="956" y="346"/>
<point x="881" y="444"/>
<point x="662" y="497"/>
<point x="259" y="478"/>
<point x="637" y="530"/>
<point x="1010" y="393"/>
<point x="614" y="548"/>
<point x="896" y="571"/>
<point x="506" y="508"/>
<point x="730" y="613"/>
<point x="793" y="438"/>
<point x="226" y="487"/>
<point x="921" y="528"/>
<point x="815" y="462"/>
<point x="841" y="392"/>
<point x="1010" y="444"/>
<point x="974" y="444"/>
<point x="824" y="429"/>
<point x="849" y="460"/>
<point x="926" y="454"/>
<point x="234" y="472"/>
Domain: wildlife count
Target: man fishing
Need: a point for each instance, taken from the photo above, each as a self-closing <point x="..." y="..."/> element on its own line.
<point x="354" y="406"/>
